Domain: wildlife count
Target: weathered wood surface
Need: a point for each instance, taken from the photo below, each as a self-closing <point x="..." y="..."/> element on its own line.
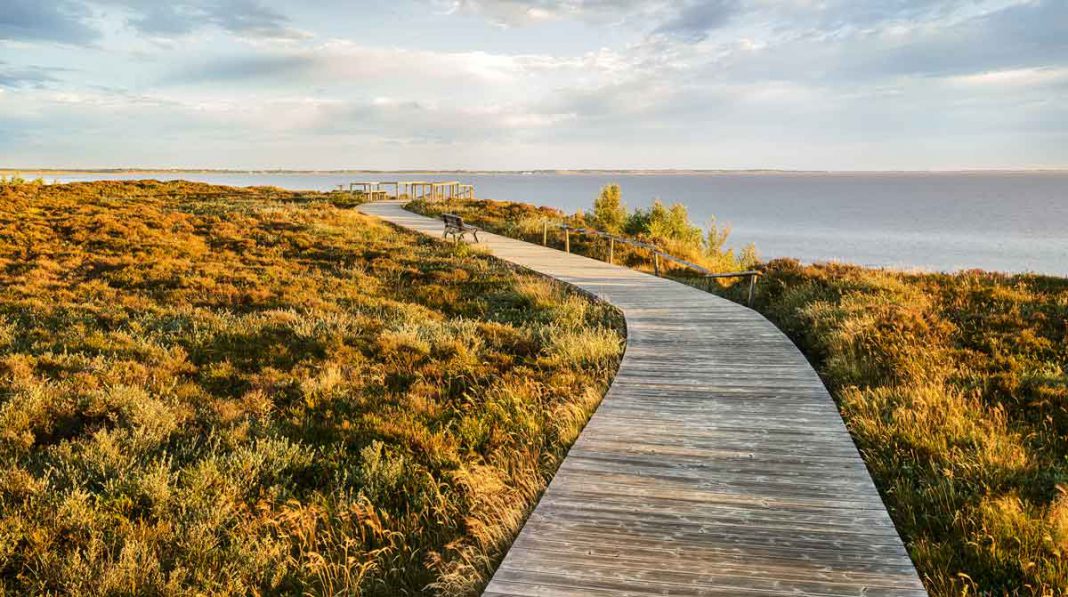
<point x="717" y="463"/>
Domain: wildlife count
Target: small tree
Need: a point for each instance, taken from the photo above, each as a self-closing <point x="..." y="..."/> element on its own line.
<point x="750" y="257"/>
<point x="609" y="213"/>
<point x="716" y="237"/>
<point x="673" y="223"/>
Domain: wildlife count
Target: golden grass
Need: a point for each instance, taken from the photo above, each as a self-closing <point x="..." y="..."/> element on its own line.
<point x="249" y="391"/>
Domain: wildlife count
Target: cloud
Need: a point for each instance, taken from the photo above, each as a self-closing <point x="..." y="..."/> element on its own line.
<point x="346" y="61"/>
<point x="243" y="68"/>
<point x="1012" y="79"/>
<point x="694" y="21"/>
<point x="14" y="77"/>
<point x="174" y="18"/>
<point x="50" y="21"/>
<point x="524" y="12"/>
<point x="275" y="120"/>
<point x="406" y="120"/>
<point x="68" y="21"/>
<point x="1032" y="35"/>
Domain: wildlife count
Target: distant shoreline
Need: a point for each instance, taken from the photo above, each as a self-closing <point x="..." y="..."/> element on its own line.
<point x="583" y="171"/>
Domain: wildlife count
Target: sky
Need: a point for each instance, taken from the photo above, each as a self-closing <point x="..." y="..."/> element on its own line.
<point x="545" y="84"/>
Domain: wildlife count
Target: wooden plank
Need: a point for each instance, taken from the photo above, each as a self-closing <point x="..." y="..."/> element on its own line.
<point x="717" y="463"/>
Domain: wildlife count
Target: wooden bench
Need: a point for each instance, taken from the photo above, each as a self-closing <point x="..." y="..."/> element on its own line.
<point x="455" y="226"/>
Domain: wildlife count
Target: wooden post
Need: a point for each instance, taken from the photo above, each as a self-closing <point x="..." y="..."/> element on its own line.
<point x="656" y="263"/>
<point x="752" y="282"/>
<point x="545" y="233"/>
<point x="567" y="240"/>
<point x="611" y="249"/>
<point x="711" y="283"/>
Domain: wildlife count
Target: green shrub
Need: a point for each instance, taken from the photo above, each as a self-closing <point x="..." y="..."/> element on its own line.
<point x="667" y="227"/>
<point x="609" y="214"/>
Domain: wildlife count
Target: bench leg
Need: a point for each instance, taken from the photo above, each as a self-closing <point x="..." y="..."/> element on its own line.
<point x="475" y="234"/>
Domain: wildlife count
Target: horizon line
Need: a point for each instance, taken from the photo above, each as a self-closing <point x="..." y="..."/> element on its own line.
<point x="136" y="170"/>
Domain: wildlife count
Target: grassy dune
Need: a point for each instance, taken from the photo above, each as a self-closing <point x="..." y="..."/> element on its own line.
<point x="955" y="388"/>
<point x="264" y="392"/>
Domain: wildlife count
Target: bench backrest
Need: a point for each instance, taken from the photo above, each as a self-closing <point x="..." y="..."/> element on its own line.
<point x="452" y="220"/>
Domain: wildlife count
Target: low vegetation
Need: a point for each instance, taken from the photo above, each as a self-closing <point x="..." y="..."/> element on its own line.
<point x="207" y="390"/>
<point x="667" y="227"/>
<point x="17" y="179"/>
<point x="954" y="386"/>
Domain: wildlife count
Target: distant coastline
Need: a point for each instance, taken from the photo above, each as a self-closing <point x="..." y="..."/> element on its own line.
<point x="580" y="171"/>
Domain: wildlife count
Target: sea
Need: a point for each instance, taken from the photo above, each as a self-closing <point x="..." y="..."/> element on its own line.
<point x="944" y="221"/>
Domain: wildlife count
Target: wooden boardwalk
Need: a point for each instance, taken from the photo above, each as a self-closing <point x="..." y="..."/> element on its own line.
<point x="717" y="463"/>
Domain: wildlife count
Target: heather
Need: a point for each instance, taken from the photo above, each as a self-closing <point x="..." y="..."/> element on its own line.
<point x="208" y="390"/>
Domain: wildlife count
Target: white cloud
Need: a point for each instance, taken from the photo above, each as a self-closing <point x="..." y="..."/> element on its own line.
<point x="1010" y="79"/>
<point x="524" y="12"/>
<point x="337" y="60"/>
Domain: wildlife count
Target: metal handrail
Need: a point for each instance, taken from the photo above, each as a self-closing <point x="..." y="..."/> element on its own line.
<point x="657" y="252"/>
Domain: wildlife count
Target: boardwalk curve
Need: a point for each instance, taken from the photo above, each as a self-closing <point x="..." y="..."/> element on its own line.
<point x="717" y="463"/>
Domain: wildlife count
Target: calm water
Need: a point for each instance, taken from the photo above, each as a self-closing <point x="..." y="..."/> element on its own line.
<point x="997" y="221"/>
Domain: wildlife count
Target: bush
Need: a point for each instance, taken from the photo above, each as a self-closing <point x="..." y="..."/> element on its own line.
<point x="609" y="214"/>
<point x="667" y="227"/>
<point x="16" y="179"/>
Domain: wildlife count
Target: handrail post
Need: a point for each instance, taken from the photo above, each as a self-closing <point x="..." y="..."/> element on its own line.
<point x="656" y="262"/>
<point x="611" y="249"/>
<point x="567" y="239"/>
<point x="752" y="283"/>
<point x="545" y="233"/>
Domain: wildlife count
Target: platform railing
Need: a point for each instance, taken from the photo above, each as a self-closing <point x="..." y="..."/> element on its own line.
<point x="657" y="253"/>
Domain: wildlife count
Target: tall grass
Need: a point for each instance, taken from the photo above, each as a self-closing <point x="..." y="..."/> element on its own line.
<point x="248" y="391"/>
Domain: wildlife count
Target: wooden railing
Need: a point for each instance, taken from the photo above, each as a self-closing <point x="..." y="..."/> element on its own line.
<point x="657" y="253"/>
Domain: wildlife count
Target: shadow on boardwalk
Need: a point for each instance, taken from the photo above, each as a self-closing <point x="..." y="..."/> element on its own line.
<point x="717" y="463"/>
